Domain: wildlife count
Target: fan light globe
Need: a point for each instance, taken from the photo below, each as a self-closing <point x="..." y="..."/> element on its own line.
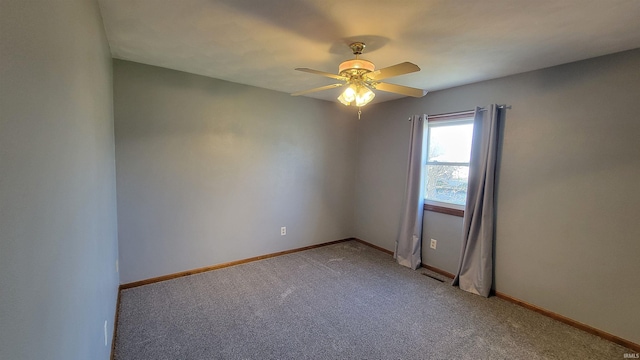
<point x="356" y="94"/>
<point x="342" y="100"/>
<point x="364" y="96"/>
<point x="349" y="95"/>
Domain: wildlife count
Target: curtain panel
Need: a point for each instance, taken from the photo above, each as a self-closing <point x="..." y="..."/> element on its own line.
<point x="408" y="250"/>
<point x="475" y="270"/>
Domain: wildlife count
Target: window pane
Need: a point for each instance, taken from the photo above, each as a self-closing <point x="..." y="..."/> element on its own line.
<point x="450" y="143"/>
<point x="447" y="183"/>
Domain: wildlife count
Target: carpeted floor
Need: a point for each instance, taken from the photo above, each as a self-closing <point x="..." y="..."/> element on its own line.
<point x="344" y="301"/>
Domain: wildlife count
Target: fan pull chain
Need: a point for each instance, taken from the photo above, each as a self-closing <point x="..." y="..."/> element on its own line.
<point x="359" y="112"/>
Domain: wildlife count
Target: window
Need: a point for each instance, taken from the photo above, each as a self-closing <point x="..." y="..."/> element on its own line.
<point x="448" y="153"/>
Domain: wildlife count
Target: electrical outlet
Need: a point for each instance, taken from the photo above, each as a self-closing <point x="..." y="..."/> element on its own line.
<point x="283" y="231"/>
<point x="105" y="333"/>
<point x="433" y="244"/>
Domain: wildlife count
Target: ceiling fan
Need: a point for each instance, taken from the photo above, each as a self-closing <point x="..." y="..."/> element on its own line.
<point x="361" y="77"/>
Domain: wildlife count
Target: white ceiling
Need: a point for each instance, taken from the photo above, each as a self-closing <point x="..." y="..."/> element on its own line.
<point x="455" y="42"/>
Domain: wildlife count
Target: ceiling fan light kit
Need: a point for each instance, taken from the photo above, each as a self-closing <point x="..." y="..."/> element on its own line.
<point x="361" y="77"/>
<point x="356" y="94"/>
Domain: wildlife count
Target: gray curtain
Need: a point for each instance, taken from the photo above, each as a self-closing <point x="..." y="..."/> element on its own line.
<point x="475" y="271"/>
<point x="408" y="250"/>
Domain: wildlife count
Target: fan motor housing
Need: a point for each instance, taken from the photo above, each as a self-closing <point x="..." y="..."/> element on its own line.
<point x="355" y="67"/>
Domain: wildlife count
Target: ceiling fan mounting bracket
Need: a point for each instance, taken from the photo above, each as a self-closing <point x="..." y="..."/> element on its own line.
<point x="357" y="47"/>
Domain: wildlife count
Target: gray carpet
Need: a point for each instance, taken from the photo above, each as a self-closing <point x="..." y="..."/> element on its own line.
<point x="344" y="301"/>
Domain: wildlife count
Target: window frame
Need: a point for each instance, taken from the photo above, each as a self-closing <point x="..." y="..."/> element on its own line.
<point x="462" y="117"/>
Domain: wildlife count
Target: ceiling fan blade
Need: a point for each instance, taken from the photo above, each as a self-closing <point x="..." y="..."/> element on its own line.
<point x="318" y="72"/>
<point x="394" y="70"/>
<point x="316" y="89"/>
<point x="399" y="89"/>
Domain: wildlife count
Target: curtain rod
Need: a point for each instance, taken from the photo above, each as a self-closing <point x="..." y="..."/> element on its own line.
<point x="462" y="113"/>
<point x="501" y="106"/>
<point x="466" y="112"/>
<point x="459" y="113"/>
<point x="504" y="106"/>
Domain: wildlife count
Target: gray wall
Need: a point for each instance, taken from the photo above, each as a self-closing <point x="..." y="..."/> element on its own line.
<point x="58" y="237"/>
<point x="568" y="201"/>
<point x="208" y="171"/>
<point x="383" y="145"/>
<point x="447" y="231"/>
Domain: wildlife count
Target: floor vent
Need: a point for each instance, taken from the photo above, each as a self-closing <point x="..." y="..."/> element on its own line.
<point x="433" y="277"/>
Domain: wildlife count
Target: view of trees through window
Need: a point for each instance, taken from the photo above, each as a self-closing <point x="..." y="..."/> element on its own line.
<point x="447" y="167"/>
